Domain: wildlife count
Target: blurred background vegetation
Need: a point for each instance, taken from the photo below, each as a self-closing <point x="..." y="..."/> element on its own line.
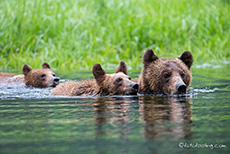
<point x="75" y="34"/>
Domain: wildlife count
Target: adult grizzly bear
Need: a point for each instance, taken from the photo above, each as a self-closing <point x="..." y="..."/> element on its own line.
<point x="165" y="75"/>
<point x="103" y="84"/>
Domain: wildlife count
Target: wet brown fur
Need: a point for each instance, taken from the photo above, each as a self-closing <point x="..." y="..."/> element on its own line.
<point x="32" y="77"/>
<point x="5" y="75"/>
<point x="103" y="84"/>
<point x="159" y="75"/>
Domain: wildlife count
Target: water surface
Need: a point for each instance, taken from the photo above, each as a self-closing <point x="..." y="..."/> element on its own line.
<point x="31" y="121"/>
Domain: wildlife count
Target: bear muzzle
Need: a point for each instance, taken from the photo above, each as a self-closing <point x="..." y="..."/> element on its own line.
<point x="181" y="88"/>
<point x="55" y="81"/>
<point x="133" y="89"/>
<point x="135" y="86"/>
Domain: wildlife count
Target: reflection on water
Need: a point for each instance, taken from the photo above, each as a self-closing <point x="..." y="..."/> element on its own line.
<point x="166" y="118"/>
<point x="113" y="110"/>
<point x="161" y="118"/>
<point x="31" y="121"/>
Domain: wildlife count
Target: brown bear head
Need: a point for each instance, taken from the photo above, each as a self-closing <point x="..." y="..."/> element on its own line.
<point x="165" y="75"/>
<point x="40" y="78"/>
<point x="114" y="84"/>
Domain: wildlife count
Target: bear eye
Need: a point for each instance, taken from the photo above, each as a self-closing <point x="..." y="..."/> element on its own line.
<point x="182" y="74"/>
<point x="119" y="80"/>
<point x="43" y="75"/>
<point x="129" y="78"/>
<point x="54" y="75"/>
<point x="167" y="75"/>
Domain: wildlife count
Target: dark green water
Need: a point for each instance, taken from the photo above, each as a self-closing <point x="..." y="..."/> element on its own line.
<point x="32" y="122"/>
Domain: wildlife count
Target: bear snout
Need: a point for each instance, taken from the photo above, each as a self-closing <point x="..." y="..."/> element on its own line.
<point x="135" y="86"/>
<point x="181" y="88"/>
<point x="132" y="89"/>
<point x="56" y="80"/>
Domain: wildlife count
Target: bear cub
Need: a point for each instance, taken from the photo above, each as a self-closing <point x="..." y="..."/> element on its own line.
<point x="103" y="84"/>
<point x="165" y="75"/>
<point x="38" y="78"/>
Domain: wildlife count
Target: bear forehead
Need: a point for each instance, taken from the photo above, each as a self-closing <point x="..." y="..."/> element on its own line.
<point x="112" y="77"/>
<point x="42" y="71"/>
<point x="119" y="74"/>
<point x="163" y="65"/>
<point x="170" y="63"/>
<point x="174" y="65"/>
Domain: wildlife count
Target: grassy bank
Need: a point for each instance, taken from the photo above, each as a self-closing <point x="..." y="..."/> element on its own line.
<point x="75" y="34"/>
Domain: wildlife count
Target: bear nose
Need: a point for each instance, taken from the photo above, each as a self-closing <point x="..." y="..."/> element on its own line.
<point x="135" y="86"/>
<point x="181" y="88"/>
<point x="56" y="80"/>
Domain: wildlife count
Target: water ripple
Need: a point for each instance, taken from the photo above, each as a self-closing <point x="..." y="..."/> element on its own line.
<point x="204" y="90"/>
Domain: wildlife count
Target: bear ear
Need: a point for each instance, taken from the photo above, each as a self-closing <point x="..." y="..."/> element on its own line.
<point x="26" y="69"/>
<point x="122" y="68"/>
<point x="149" y="56"/>
<point x="98" y="72"/>
<point x="45" y="66"/>
<point x="187" y="58"/>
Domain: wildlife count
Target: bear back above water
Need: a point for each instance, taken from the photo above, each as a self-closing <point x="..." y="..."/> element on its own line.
<point x="165" y="75"/>
<point x="103" y="84"/>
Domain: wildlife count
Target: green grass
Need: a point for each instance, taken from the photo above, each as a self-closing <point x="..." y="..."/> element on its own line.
<point x="75" y="34"/>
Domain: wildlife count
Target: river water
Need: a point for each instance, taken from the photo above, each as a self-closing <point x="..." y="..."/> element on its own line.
<point x="31" y="121"/>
